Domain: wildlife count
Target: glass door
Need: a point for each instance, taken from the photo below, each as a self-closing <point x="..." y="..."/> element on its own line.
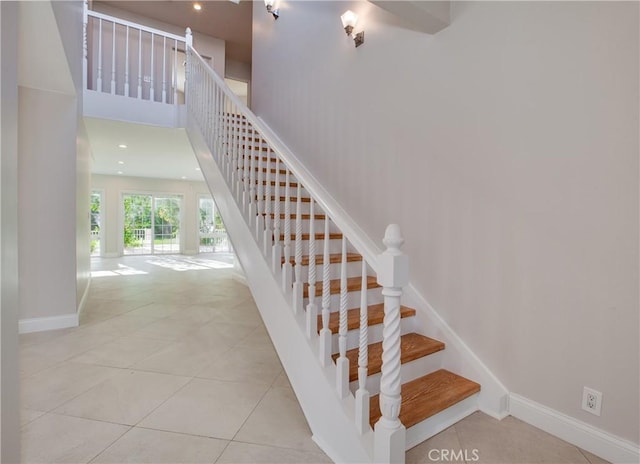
<point x="96" y="221"/>
<point x="166" y="228"/>
<point x="138" y="224"/>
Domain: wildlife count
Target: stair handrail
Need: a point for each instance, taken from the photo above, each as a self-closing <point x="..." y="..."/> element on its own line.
<point x="357" y="237"/>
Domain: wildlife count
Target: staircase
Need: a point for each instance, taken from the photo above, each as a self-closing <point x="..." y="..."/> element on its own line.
<point x="343" y="299"/>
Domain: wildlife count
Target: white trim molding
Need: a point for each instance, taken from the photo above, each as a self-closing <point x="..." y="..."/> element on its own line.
<point x="578" y="433"/>
<point x="83" y="300"/>
<point x="40" y="324"/>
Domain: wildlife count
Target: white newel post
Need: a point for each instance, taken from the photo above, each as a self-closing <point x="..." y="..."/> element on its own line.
<point x="393" y="274"/>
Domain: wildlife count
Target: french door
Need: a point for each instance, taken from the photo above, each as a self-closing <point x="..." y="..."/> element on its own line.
<point x="151" y="224"/>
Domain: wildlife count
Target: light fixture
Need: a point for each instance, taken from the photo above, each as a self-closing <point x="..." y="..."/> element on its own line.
<point x="120" y="172"/>
<point x="270" y="9"/>
<point x="197" y="6"/>
<point x="197" y="169"/>
<point x="122" y="145"/>
<point x="120" y="162"/>
<point x="183" y="177"/>
<point x="349" y="21"/>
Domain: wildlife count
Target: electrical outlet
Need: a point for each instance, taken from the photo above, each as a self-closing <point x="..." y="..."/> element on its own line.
<point x="591" y="401"/>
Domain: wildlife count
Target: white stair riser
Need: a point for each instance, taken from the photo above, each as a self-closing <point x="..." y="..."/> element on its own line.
<point x="374" y="336"/>
<point x="408" y="372"/>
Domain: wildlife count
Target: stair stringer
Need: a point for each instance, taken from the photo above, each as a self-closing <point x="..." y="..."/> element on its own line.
<point x="330" y="418"/>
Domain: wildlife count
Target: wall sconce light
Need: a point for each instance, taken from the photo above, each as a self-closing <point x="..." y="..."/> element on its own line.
<point x="349" y="21"/>
<point x="270" y="9"/>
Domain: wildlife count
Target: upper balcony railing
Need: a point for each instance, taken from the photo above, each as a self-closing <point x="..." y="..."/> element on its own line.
<point x="131" y="60"/>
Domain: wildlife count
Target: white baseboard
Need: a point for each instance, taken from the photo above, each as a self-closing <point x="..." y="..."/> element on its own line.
<point x="578" y="433"/>
<point x="190" y="252"/>
<point x="40" y="324"/>
<point x="111" y="255"/>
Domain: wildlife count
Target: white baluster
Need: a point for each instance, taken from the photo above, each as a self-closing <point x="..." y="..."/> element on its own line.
<point x="245" y="177"/>
<point x="164" y="70"/>
<point x="175" y="72"/>
<point x="139" y="63"/>
<point x="298" y="285"/>
<point x="389" y="442"/>
<point x="126" y="64"/>
<point x="342" y="364"/>
<point x="268" y="231"/>
<point x="312" y="309"/>
<point x="287" y="268"/>
<point x="325" y="333"/>
<point x="113" y="60"/>
<point x="99" y="80"/>
<point x="276" y="256"/>
<point x="254" y="173"/>
<point x="362" y="394"/>
<point x="260" y="195"/>
<point x="234" y="154"/>
<point x="152" y="72"/>
<point x="85" y="44"/>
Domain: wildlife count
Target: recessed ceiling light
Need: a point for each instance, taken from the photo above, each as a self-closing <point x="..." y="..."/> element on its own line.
<point x="197" y="169"/>
<point x="197" y="6"/>
<point x="122" y="145"/>
<point x="183" y="177"/>
<point x="120" y="162"/>
<point x="120" y="172"/>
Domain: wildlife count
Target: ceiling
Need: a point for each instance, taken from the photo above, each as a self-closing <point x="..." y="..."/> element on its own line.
<point x="223" y="19"/>
<point x="151" y="151"/>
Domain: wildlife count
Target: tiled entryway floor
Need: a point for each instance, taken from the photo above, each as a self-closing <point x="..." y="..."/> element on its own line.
<point x="172" y="364"/>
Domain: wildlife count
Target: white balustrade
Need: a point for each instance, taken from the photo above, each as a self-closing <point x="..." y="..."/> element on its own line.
<point x="393" y="274"/>
<point x="325" y="333"/>
<point x="342" y="364"/>
<point x="362" y="395"/>
<point x="115" y="54"/>
<point x="251" y="180"/>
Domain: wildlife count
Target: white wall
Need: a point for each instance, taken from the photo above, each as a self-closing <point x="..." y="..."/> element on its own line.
<point x="69" y="16"/>
<point x="113" y="187"/>
<point x="506" y="147"/>
<point x="9" y="383"/>
<point x="47" y="127"/>
<point x="208" y="46"/>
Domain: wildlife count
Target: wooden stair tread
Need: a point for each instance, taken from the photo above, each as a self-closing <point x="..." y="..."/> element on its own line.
<point x="412" y="346"/>
<point x="427" y="396"/>
<point x="375" y="315"/>
<point x="318" y="236"/>
<point x="292" y="199"/>
<point x="282" y="184"/>
<point x="293" y="216"/>
<point x="353" y="284"/>
<point x="333" y="258"/>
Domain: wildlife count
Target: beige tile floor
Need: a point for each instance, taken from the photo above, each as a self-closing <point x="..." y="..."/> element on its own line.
<point x="172" y="364"/>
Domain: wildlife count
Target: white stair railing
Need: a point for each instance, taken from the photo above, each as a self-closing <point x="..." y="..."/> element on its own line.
<point x="138" y="61"/>
<point x="236" y="142"/>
